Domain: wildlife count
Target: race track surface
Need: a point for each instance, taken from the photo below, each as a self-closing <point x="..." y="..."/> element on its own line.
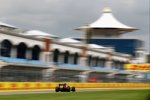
<point x="53" y="91"/>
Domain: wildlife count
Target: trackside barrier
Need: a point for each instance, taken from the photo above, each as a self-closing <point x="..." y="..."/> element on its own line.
<point x="5" y="86"/>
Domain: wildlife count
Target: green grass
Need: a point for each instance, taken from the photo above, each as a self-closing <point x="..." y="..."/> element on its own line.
<point x="96" y="95"/>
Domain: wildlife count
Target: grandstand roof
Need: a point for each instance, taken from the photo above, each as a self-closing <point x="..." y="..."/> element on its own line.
<point x="7" y="25"/>
<point x="107" y="22"/>
<point x="95" y="46"/>
<point x="69" y="40"/>
<point x="39" y="34"/>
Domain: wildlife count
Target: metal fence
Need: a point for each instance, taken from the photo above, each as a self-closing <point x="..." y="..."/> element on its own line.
<point x="13" y="75"/>
<point x="7" y="75"/>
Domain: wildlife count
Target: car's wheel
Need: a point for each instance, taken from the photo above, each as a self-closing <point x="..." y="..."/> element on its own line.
<point x="73" y="89"/>
<point x="68" y="89"/>
<point x="57" y="89"/>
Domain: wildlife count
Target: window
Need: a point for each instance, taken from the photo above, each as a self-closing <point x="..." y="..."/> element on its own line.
<point x="76" y="56"/>
<point x="66" y="56"/>
<point x="36" y="53"/>
<point x="101" y="62"/>
<point x="5" y="48"/>
<point x="89" y="60"/>
<point x="21" y="50"/>
<point x="56" y="55"/>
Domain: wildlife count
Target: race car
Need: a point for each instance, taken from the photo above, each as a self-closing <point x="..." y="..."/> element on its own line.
<point x="64" y="88"/>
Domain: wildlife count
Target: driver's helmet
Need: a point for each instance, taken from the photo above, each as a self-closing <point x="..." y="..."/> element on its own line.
<point x="65" y="84"/>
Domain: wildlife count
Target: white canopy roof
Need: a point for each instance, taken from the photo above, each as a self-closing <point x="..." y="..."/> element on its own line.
<point x="69" y="40"/>
<point x="107" y="22"/>
<point x="39" y="34"/>
<point x="95" y="46"/>
<point x="6" y="25"/>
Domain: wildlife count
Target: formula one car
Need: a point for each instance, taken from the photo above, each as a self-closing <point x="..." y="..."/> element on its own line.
<point x="64" y="88"/>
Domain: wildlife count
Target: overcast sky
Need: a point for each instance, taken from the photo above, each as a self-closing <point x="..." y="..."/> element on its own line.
<point x="60" y="17"/>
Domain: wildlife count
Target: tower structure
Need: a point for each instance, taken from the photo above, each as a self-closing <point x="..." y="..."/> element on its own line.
<point x="106" y="26"/>
<point x="106" y="31"/>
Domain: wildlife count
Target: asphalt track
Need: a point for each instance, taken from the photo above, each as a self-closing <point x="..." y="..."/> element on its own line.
<point x="27" y="92"/>
<point x="41" y="91"/>
<point x="53" y="91"/>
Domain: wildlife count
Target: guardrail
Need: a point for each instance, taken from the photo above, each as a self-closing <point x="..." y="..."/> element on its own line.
<point x="13" y="86"/>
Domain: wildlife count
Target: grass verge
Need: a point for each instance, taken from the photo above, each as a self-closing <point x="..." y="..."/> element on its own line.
<point x="92" y="95"/>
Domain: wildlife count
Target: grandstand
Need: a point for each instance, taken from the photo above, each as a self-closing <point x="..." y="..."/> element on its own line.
<point x="31" y="56"/>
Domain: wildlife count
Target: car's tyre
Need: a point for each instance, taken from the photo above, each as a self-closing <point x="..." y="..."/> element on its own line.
<point x="68" y="89"/>
<point x="73" y="89"/>
<point x="57" y="89"/>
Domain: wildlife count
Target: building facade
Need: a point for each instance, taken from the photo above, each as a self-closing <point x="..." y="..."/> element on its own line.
<point x="26" y="58"/>
<point x="38" y="56"/>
